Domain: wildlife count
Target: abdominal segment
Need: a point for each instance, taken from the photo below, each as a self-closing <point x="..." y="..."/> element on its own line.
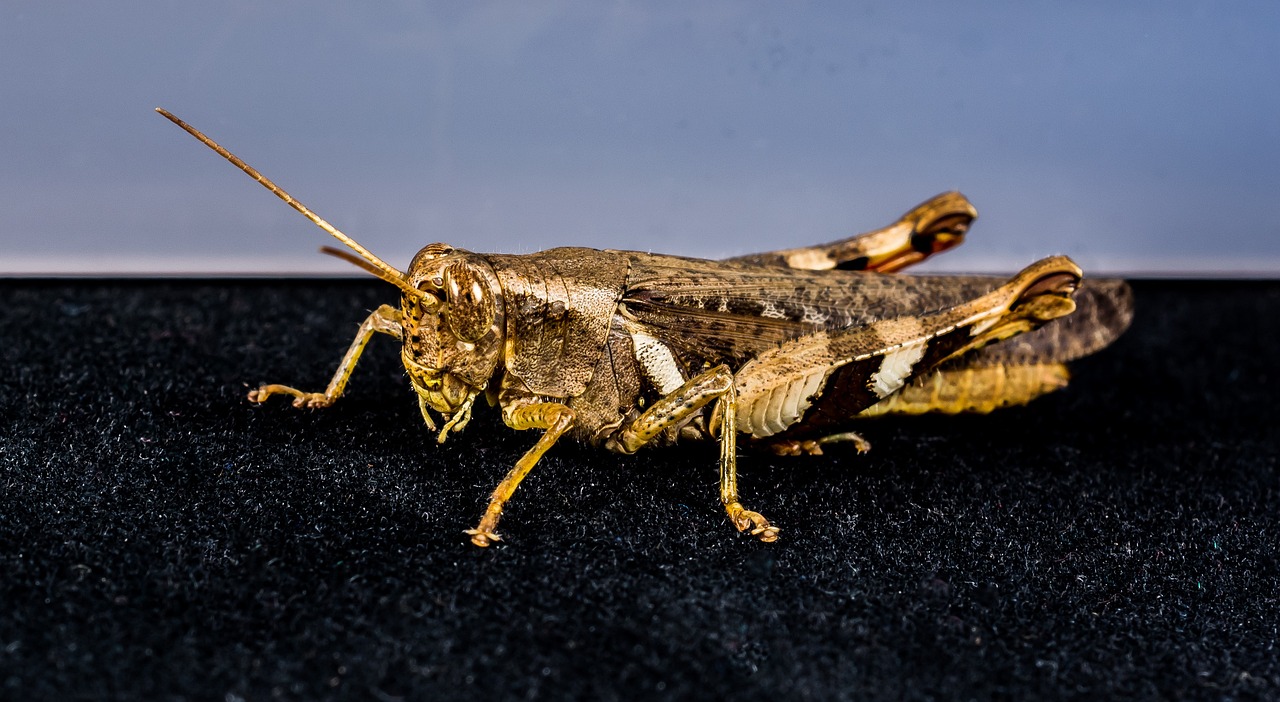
<point x="973" y="390"/>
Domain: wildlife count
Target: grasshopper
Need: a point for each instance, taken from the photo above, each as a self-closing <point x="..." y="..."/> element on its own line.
<point x="623" y="349"/>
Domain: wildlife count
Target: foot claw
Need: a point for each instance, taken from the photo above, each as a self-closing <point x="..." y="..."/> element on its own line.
<point x="308" y="400"/>
<point x="796" y="448"/>
<point x="745" y="519"/>
<point x="767" y="534"/>
<point x="482" y="538"/>
<point x="312" y="400"/>
<point x="860" y="444"/>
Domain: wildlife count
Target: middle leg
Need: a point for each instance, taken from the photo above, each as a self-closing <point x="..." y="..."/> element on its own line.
<point x="680" y="405"/>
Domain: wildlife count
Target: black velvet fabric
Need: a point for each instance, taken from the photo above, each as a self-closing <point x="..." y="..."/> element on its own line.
<point x="163" y="538"/>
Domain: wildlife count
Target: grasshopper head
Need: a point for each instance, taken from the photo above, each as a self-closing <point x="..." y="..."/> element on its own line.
<point x="451" y="310"/>
<point x="453" y="331"/>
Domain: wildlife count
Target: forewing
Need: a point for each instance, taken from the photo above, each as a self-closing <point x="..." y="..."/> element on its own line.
<point x="821" y="380"/>
<point x="717" y="312"/>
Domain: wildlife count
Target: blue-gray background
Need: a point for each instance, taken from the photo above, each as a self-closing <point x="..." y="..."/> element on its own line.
<point x="1136" y="136"/>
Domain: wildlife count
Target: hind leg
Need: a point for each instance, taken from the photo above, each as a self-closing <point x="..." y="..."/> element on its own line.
<point x="931" y="227"/>
<point x="813" y="447"/>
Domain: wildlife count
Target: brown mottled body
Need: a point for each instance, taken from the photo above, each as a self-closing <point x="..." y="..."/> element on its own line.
<point x="624" y="349"/>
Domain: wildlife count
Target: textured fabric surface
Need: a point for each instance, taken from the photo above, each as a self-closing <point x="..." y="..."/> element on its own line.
<point x="162" y="538"/>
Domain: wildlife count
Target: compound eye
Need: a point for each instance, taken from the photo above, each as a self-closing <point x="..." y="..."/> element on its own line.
<point x="470" y="307"/>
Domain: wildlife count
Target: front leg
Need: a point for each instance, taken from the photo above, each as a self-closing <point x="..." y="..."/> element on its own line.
<point x="556" y="419"/>
<point x="385" y="319"/>
<point x="677" y="407"/>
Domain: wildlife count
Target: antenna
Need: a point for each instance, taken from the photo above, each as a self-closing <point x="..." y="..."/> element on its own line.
<point x="372" y="269"/>
<point x="388" y="273"/>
